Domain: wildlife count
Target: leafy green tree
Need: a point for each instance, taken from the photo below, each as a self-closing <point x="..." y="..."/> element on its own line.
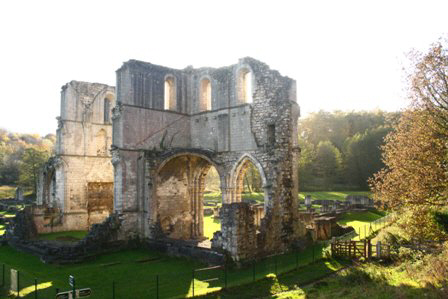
<point x="306" y="164"/>
<point x="328" y="163"/>
<point x="363" y="156"/>
<point x="32" y="161"/>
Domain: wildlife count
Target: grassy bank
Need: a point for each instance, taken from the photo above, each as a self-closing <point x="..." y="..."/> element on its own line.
<point x="7" y="191"/>
<point x="366" y="281"/>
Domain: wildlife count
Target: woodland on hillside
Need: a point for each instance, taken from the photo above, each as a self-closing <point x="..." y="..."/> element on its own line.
<point x="341" y="150"/>
<point x="21" y="157"/>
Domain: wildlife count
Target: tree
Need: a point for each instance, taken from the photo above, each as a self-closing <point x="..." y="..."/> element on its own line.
<point x="32" y="161"/>
<point x="363" y="156"/>
<point x="415" y="179"/>
<point x="328" y="163"/>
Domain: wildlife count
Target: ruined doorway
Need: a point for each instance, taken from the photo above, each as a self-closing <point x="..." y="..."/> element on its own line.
<point x="179" y="192"/>
<point x="100" y="197"/>
<point x="250" y="183"/>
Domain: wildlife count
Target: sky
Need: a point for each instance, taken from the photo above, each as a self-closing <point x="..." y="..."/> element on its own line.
<point x="344" y="55"/>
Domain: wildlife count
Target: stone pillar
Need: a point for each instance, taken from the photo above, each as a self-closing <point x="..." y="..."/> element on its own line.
<point x="238" y="232"/>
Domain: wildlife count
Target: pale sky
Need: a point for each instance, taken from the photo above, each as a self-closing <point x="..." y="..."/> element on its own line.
<point x="345" y="55"/>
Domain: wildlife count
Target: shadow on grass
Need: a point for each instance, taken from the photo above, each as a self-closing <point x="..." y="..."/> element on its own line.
<point x="273" y="284"/>
<point x="358" y="283"/>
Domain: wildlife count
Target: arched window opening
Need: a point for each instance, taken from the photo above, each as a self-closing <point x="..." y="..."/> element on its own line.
<point x="188" y="198"/>
<point x="249" y="188"/>
<point x="205" y="99"/>
<point x="107" y="110"/>
<point x="245" y="86"/>
<point x="170" y="94"/>
<point x="212" y="203"/>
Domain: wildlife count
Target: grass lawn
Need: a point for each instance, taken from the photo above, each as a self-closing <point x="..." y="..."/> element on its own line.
<point x="134" y="273"/>
<point x="210" y="226"/>
<point x="366" y="281"/>
<point x="259" y="196"/>
<point x="7" y="214"/>
<point x="360" y="221"/>
<point x="336" y="195"/>
<point x="7" y="191"/>
<point x="64" y="236"/>
<point x="272" y="284"/>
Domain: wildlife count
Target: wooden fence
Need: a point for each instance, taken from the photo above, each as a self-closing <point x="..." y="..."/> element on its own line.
<point x="359" y="249"/>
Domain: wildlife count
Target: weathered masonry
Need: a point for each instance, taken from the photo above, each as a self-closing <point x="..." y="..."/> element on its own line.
<point x="170" y="126"/>
<point x="76" y="185"/>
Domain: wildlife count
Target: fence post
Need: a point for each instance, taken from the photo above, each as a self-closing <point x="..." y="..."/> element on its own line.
<point x="359" y="230"/>
<point x="113" y="289"/>
<point x="365" y="234"/>
<point x="18" y="284"/>
<point x="193" y="282"/>
<point x="253" y="270"/>
<point x="157" y="286"/>
<point x="74" y="289"/>
<point x="297" y="259"/>
<point x="35" y="288"/>
<point x="275" y="265"/>
<point x="225" y="277"/>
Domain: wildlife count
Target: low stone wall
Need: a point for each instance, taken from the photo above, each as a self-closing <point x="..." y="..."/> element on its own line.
<point x="100" y="239"/>
<point x="184" y="249"/>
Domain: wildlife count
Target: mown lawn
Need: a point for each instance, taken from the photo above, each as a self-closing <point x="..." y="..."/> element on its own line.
<point x="7" y="191"/>
<point x="64" y="236"/>
<point x="361" y="222"/>
<point x="135" y="273"/>
<point x="332" y="195"/>
<point x="210" y="226"/>
<point x="259" y="196"/>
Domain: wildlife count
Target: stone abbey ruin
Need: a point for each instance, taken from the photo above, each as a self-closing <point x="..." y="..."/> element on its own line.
<point x="140" y="152"/>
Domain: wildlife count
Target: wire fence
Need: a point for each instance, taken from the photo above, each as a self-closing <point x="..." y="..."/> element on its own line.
<point x="189" y="283"/>
<point x="174" y="285"/>
<point x="361" y="232"/>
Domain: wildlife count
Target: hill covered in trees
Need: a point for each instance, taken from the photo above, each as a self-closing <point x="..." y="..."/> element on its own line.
<point x="21" y="156"/>
<point x="341" y="150"/>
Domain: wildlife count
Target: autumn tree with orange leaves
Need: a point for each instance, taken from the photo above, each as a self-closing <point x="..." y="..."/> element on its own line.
<point x="415" y="179"/>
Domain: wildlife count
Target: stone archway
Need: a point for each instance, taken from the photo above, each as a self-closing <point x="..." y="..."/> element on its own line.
<point x="179" y="193"/>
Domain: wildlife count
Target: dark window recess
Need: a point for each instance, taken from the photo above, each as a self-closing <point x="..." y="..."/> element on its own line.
<point x="106" y="111"/>
<point x="271" y="134"/>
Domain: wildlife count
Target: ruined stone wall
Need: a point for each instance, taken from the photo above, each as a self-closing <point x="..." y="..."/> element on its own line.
<point x="75" y="189"/>
<point x="236" y="127"/>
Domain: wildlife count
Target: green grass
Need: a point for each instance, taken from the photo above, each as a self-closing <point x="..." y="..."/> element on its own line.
<point x="210" y="226"/>
<point x="68" y="235"/>
<point x="366" y="281"/>
<point x="273" y="284"/>
<point x="332" y="195"/>
<point x="133" y="279"/>
<point x="134" y="273"/>
<point x="7" y="191"/>
<point x="360" y="221"/>
<point x="7" y="214"/>
<point x="259" y="196"/>
<point x="2" y="229"/>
